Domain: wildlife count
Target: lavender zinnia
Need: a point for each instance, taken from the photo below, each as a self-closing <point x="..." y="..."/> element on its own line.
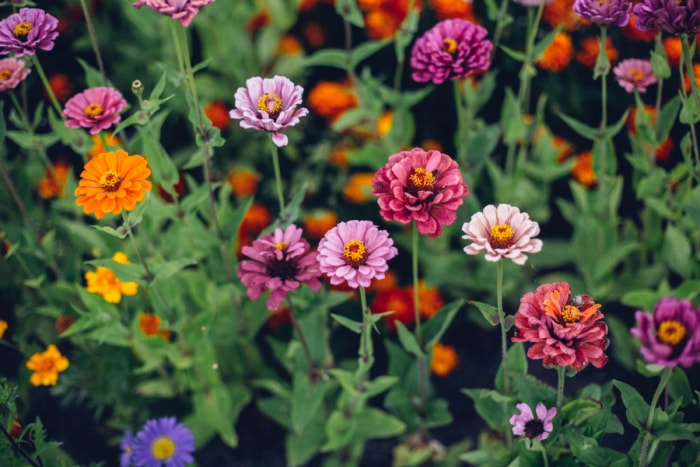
<point x="615" y="12"/>
<point x="671" y="16"/>
<point x="27" y="30"/>
<point x="634" y="74"/>
<point x="528" y="425"/>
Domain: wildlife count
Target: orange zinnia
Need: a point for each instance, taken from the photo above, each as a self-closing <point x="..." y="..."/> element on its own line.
<point x="448" y="9"/>
<point x="582" y="170"/>
<point x="111" y="182"/>
<point x="51" y="186"/>
<point x="557" y="55"/>
<point x="98" y="146"/>
<point x="590" y="47"/>
<point x="330" y="99"/>
<point x="674" y="49"/>
<point x="561" y="12"/>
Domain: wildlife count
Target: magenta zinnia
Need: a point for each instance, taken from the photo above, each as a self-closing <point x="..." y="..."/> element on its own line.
<point x="565" y="330"/>
<point x="96" y="109"/>
<point x="355" y="252"/>
<point x="671" y="16"/>
<point x="278" y="262"/>
<point x="182" y="10"/>
<point x="12" y="72"/>
<point x="425" y="186"/>
<point x="502" y="232"/>
<point x="27" y="30"/>
<point x="269" y="104"/>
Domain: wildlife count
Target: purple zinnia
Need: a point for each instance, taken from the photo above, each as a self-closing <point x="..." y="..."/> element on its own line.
<point x="279" y="262"/>
<point x="30" y="29"/>
<point x="671" y="335"/>
<point x="355" y="252"/>
<point x="671" y="16"/>
<point x="12" y="72"/>
<point x="634" y="74"/>
<point x="269" y="104"/>
<point x="531" y="427"/>
<point x="127" y="447"/>
<point x="606" y="12"/>
<point x="163" y="442"/>
<point x="182" y="10"/>
<point x="95" y="108"/>
<point x="453" y="48"/>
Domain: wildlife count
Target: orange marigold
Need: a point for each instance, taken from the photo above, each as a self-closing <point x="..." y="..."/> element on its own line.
<point x="384" y="123"/>
<point x="696" y="75"/>
<point x="430" y="299"/>
<point x="338" y="157"/>
<point x="46" y="366"/>
<point x="382" y="23"/>
<point x="557" y="55"/>
<point x="217" y="113"/>
<point x="448" y="9"/>
<point x="111" y="182"/>
<point x="289" y="45"/>
<point x="444" y="359"/>
<point x="582" y="170"/>
<point x="313" y="34"/>
<point x="590" y="46"/>
<point x="104" y="282"/>
<point x="54" y="181"/>
<point x="243" y="181"/>
<point x="358" y="188"/>
<point x="330" y="99"/>
<point x="389" y="282"/>
<point x="149" y="323"/>
<point x="674" y="50"/>
<point x="561" y="12"/>
<point x="61" y="86"/>
<point x="398" y="300"/>
<point x="318" y="222"/>
<point x="98" y="146"/>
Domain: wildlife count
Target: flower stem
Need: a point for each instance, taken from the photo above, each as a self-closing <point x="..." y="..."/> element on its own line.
<point x="502" y="321"/>
<point x="463" y="123"/>
<point x="663" y="381"/>
<point x="414" y="270"/>
<point x="561" y="375"/>
<point x="47" y="86"/>
<point x="604" y="98"/>
<point x="688" y="59"/>
<point x="93" y="40"/>
<point x="365" y="353"/>
<point x="278" y="176"/>
<point x="313" y="368"/>
<point x="500" y="24"/>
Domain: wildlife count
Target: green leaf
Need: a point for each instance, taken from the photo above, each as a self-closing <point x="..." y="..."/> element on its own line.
<point x="690" y="114"/>
<point x="586" y="449"/>
<point x="679" y="387"/>
<point x="637" y="407"/>
<point x="354" y="326"/>
<point x="366" y="50"/>
<point x="336" y="58"/>
<point x="437" y="325"/>
<point x="302" y="447"/>
<point x="408" y="340"/>
<point x="581" y="128"/>
<point x="512" y="53"/>
<point x="659" y="64"/>
<point x="492" y="406"/>
<point x="373" y="423"/>
<point x="514" y="126"/>
<point x="307" y="400"/>
<point x="168" y="269"/>
<point x="93" y="78"/>
<point x="677" y="252"/>
<point x="489" y="312"/>
<point x="219" y="408"/>
<point x="349" y="10"/>
<point x="642" y="299"/>
<point x="379" y="385"/>
<point x="667" y="118"/>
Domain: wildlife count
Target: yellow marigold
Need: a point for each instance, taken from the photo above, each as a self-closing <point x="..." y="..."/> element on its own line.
<point x="561" y="12"/>
<point x="448" y="9"/>
<point x="590" y="46"/>
<point x="111" y="182"/>
<point x="46" y="366"/>
<point x="430" y="299"/>
<point x="318" y="222"/>
<point x="3" y="327"/>
<point x="582" y="170"/>
<point x="98" y="146"/>
<point x="54" y="181"/>
<point x="557" y="55"/>
<point x="674" y="48"/>
<point x="244" y="182"/>
<point x="104" y="282"/>
<point x="330" y="99"/>
<point x="358" y="188"/>
<point x="217" y="113"/>
<point x="444" y="359"/>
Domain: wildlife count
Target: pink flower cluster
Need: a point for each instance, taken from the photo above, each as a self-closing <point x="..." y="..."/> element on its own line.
<point x="182" y="10"/>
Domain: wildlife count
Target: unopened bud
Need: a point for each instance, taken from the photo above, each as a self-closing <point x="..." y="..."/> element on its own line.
<point x="137" y="87"/>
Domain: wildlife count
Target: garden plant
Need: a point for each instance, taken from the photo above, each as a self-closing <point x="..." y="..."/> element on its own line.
<point x="349" y="232"/>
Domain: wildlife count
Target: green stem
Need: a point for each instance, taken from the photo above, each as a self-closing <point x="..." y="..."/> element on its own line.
<point x="604" y="98"/>
<point x="93" y="41"/>
<point x="414" y="270"/>
<point x="463" y="123"/>
<point x="502" y="321"/>
<point x="561" y="376"/>
<point x="278" y="176"/>
<point x="46" y="84"/>
<point x="500" y="24"/>
<point x="365" y="353"/>
<point x="687" y="58"/>
<point x="313" y="370"/>
<point x="663" y="381"/>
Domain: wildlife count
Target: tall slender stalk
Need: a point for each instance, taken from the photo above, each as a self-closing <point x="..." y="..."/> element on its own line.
<point x="663" y="381"/>
<point x="278" y="176"/>
<point x="93" y="40"/>
<point x="47" y="86"/>
<point x="502" y="322"/>
<point x="414" y="271"/>
<point x="688" y="59"/>
<point x="561" y="376"/>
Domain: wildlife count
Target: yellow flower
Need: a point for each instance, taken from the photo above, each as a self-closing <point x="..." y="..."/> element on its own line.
<point x="104" y="282"/>
<point x="46" y="366"/>
<point x="444" y="360"/>
<point x="3" y="327"/>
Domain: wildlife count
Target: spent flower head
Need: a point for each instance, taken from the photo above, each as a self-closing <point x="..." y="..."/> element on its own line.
<point x="95" y="108"/>
<point x="12" y="72"/>
<point x="634" y="74"/>
<point x="29" y="29"/>
<point x="163" y="442"/>
<point x="533" y="426"/>
<point x="606" y="12"/>
<point x="183" y="11"/>
<point x="671" y="16"/>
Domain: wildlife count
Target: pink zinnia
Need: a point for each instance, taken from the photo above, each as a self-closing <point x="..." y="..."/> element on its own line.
<point x="355" y="252"/>
<point x="565" y="331"/>
<point x="269" y="104"/>
<point x="182" y="10"/>
<point x="425" y="186"/>
<point x="95" y="108"/>
<point x="452" y="49"/>
<point x="12" y="72"/>
<point x="634" y="74"/>
<point x="530" y="426"/>
<point x="279" y="262"/>
<point x="27" y="30"/>
<point x="502" y="232"/>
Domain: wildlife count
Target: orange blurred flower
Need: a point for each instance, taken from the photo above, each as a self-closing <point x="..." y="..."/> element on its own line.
<point x="696" y="75"/>
<point x="3" y="327"/>
<point x="582" y="170"/>
<point x="330" y="99"/>
<point x="590" y="46"/>
<point x="338" y="157"/>
<point x="358" y="188"/>
<point x="98" y="146"/>
<point x="632" y="33"/>
<point x="289" y="45"/>
<point x="46" y="366"/>
<point x="150" y="323"/>
<point x="384" y="17"/>
<point x="313" y="34"/>
<point x="557" y="55"/>
<point x="254" y="222"/>
<point x="564" y="147"/>
<point x="448" y="9"/>
<point x="318" y="222"/>
<point x="259" y="21"/>
<point x="54" y="181"/>
<point x="674" y="50"/>
<point x="431" y="145"/>
<point x="104" y="282"/>
<point x="398" y="300"/>
<point x="561" y="12"/>
<point x="63" y="323"/>
<point x="279" y="317"/>
<point x="217" y="112"/>
<point x="384" y="123"/>
<point x="430" y="299"/>
<point x="444" y="360"/>
<point x="61" y="86"/>
<point x="390" y="281"/>
<point x="243" y="181"/>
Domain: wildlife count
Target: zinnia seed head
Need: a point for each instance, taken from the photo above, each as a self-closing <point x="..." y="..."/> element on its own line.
<point x="501" y="236"/>
<point x="534" y="428"/>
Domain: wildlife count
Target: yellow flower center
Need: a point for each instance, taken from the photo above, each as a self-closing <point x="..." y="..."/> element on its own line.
<point x="571" y="314"/>
<point x="281" y="246"/>
<point x="163" y="448"/>
<point x="636" y="74"/>
<point x="21" y="31"/>
<point x="5" y="75"/>
<point x="93" y="110"/>
<point x="421" y="178"/>
<point x="110" y="181"/>
<point x="449" y="45"/>
<point x="354" y="252"/>
<point x="501" y="235"/>
<point x="671" y="332"/>
<point x="270" y="103"/>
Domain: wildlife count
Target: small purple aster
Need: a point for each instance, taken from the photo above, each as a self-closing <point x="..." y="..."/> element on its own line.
<point x="452" y="49"/>
<point x="127" y="447"/>
<point x="634" y="74"/>
<point x="279" y="262"/>
<point x="671" y="335"/>
<point x="355" y="252"/>
<point x="163" y="442"/>
<point x="531" y="427"/>
<point x="12" y="72"/>
<point x="671" y="16"/>
<point x="95" y="108"/>
<point x="269" y="104"/>
<point x="27" y="30"/>
<point x="182" y="10"/>
<point x="606" y="12"/>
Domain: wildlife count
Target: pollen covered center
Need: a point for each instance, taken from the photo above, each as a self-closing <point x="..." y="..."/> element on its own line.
<point x="636" y="74"/>
<point x="110" y="181"/>
<point x="270" y="103"/>
<point x="163" y="448"/>
<point x="21" y="31"/>
<point x="355" y="252"/>
<point x="671" y="332"/>
<point x="47" y="364"/>
<point x="5" y="75"/>
<point x="421" y="178"/>
<point x="501" y="236"/>
<point x="93" y="110"/>
<point x="571" y="314"/>
<point x="449" y="45"/>
<point x="282" y="246"/>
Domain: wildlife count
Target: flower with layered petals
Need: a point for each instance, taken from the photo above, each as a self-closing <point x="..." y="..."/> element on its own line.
<point x="565" y="330"/>
<point x="671" y="16"/>
<point x="96" y="109"/>
<point x="111" y="182"/>
<point x="27" y="30"/>
<point x="634" y="74"/>
<point x="183" y="11"/>
<point x="269" y="104"/>
<point x="279" y="262"/>
<point x="163" y="442"/>
<point x="104" y="282"/>
<point x="452" y="49"/>
<point x="502" y="232"/>
<point x="606" y="12"/>
<point x="46" y="366"/>
<point x="12" y="72"/>
<point x="528" y="425"/>
<point x="420" y="185"/>
<point x="355" y="252"/>
<point x="670" y="336"/>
